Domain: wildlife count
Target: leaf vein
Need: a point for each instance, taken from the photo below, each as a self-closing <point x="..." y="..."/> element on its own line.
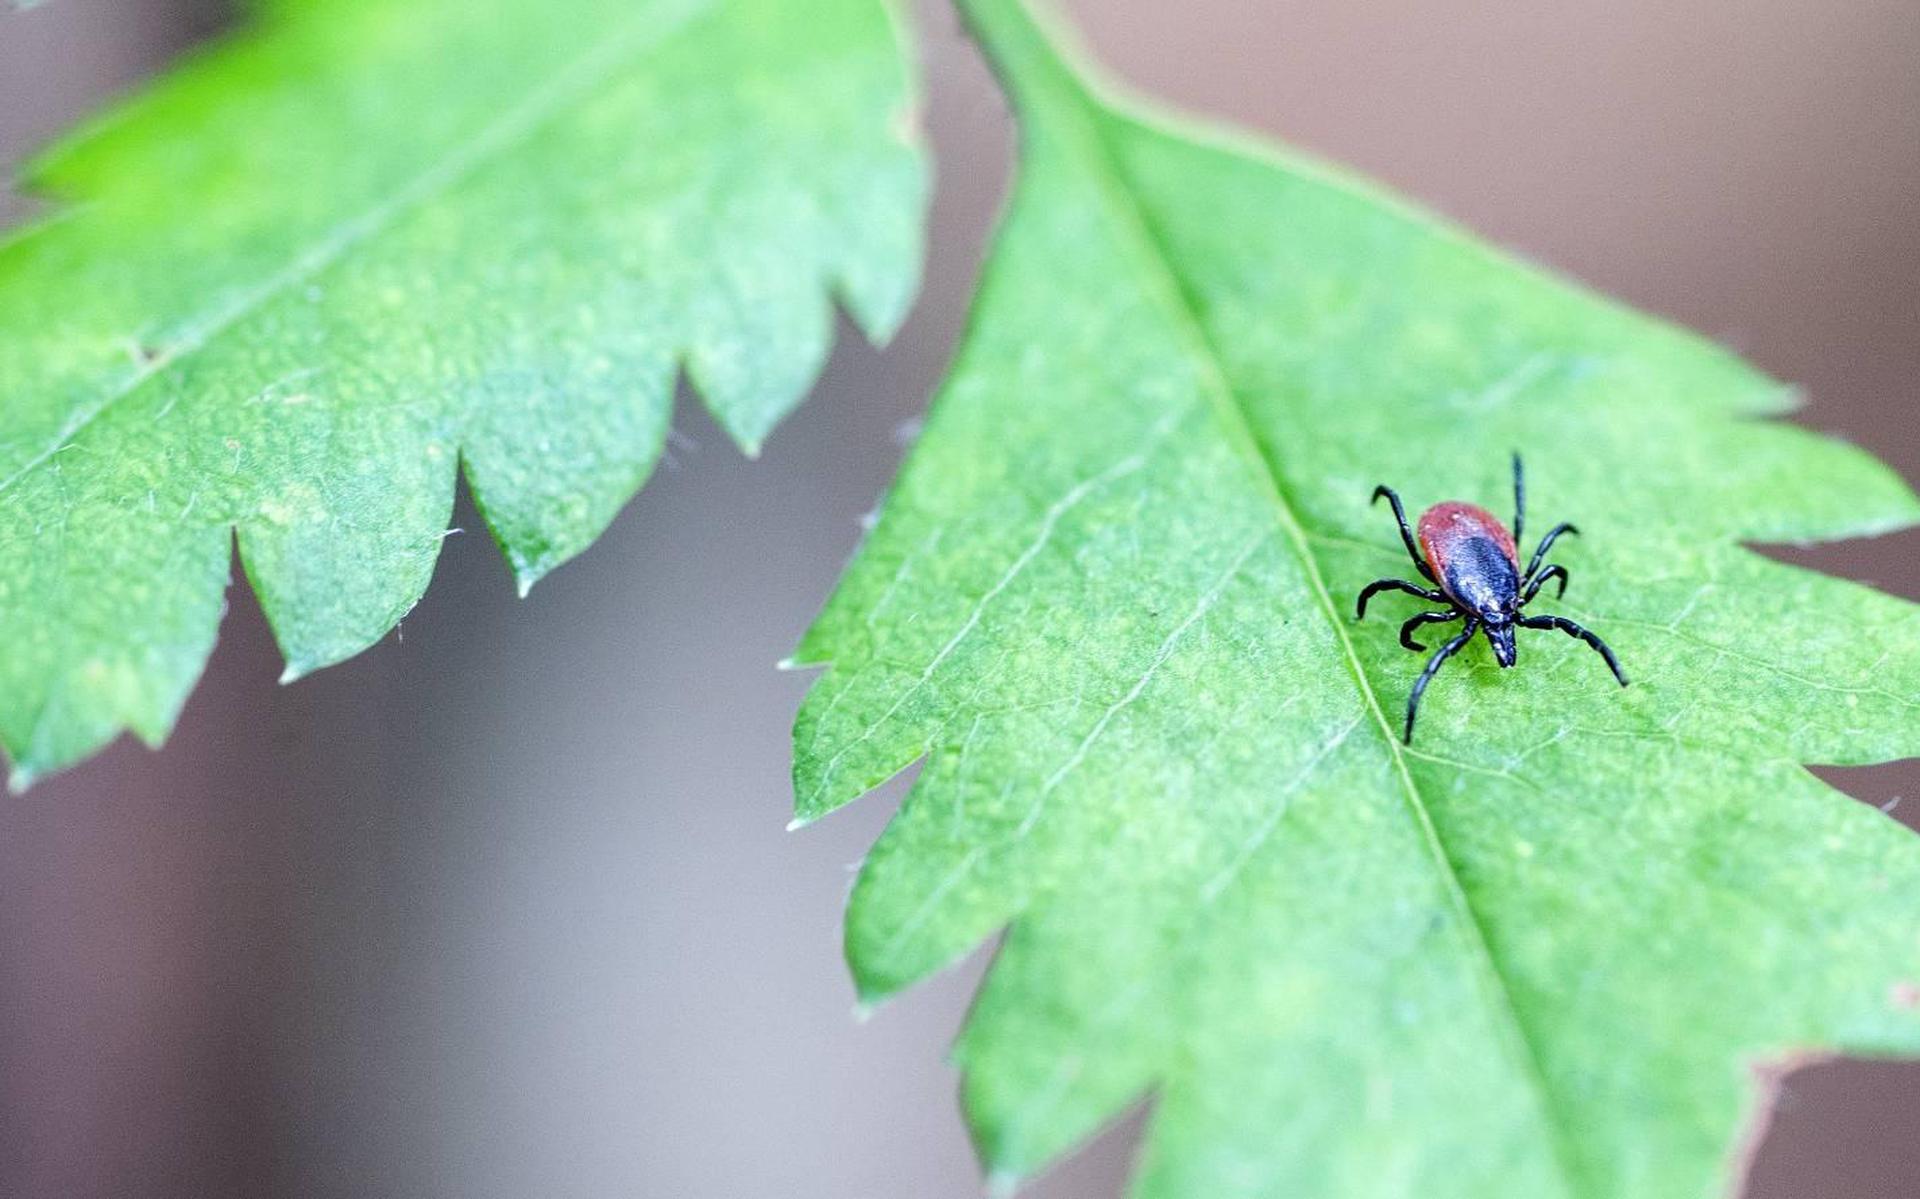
<point x="568" y="85"/>
<point x="1160" y="656"/>
<point x="1057" y="511"/>
<point x="1150" y="245"/>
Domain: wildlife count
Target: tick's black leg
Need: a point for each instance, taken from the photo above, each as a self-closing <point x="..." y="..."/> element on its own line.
<point x="1433" y="667"/>
<point x="1406" y="534"/>
<point x="1540" y="580"/>
<point x="1519" y="499"/>
<point x="1378" y="585"/>
<point x="1573" y="630"/>
<point x="1546" y="543"/>
<point x="1406" y="630"/>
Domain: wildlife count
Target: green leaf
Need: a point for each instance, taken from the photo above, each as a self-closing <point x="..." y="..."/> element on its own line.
<point x="290" y="288"/>
<point x="1540" y="952"/>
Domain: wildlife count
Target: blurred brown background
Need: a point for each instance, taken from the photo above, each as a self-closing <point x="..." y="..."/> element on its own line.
<point x="504" y="908"/>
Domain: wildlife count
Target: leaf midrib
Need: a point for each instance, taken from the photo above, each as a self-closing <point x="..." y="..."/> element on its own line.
<point x="1152" y="249"/>
<point x="567" y="86"/>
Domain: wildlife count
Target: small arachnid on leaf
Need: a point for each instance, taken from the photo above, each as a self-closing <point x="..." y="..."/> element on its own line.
<point x="1476" y="563"/>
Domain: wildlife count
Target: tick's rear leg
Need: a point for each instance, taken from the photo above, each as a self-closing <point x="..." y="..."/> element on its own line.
<point x="1422" y="618"/>
<point x="1433" y="667"/>
<point x="1378" y="585"/>
<point x="1406" y="534"/>
<point x="1519" y="499"/>
<point x="1538" y="581"/>
<point x="1573" y="630"/>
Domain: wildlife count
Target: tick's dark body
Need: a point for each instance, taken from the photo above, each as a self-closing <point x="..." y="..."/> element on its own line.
<point x="1472" y="556"/>
<point x="1476" y="562"/>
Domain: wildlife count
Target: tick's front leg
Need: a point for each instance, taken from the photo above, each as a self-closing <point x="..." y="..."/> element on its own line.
<point x="1573" y="630"/>
<point x="1424" y="618"/>
<point x="1433" y="667"/>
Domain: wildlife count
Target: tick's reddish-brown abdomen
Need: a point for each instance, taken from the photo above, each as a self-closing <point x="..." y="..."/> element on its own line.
<point x="1446" y="529"/>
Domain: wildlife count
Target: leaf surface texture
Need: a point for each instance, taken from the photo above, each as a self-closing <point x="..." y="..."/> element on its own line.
<point x="293" y="287"/>
<point x="1109" y="602"/>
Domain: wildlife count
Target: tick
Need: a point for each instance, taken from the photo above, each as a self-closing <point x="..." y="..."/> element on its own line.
<point x="1476" y="564"/>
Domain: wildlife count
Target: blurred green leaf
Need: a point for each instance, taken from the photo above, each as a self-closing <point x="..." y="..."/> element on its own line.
<point x="1539" y="953"/>
<point x="289" y="289"/>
